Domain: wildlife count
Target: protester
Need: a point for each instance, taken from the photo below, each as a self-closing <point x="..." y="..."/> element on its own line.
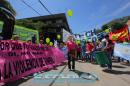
<point x="16" y="38"/>
<point x="41" y="41"/>
<point x="89" y="50"/>
<point x="126" y="41"/>
<point x="108" y="47"/>
<point x="79" y="51"/>
<point x="29" y="41"/>
<point x="34" y="39"/>
<point x="83" y="50"/>
<point x="99" y="44"/>
<point x="55" y="43"/>
<point x="71" y="52"/>
<point x="64" y="49"/>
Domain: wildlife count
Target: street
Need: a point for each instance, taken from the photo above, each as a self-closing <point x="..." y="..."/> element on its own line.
<point x="119" y="76"/>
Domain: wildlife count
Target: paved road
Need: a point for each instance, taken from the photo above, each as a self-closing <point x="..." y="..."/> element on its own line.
<point x="120" y="76"/>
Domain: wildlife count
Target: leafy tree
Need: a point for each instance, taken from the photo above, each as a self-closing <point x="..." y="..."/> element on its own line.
<point x="116" y="26"/>
<point x="104" y="27"/>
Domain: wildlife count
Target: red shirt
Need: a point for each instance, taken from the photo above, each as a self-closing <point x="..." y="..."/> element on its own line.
<point x="89" y="47"/>
<point x="71" y="45"/>
<point x="78" y="49"/>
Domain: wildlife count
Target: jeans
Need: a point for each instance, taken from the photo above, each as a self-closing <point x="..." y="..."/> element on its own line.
<point x="89" y="57"/>
<point x="83" y="55"/>
<point x="71" y="59"/>
<point x="78" y="55"/>
<point x="109" y="56"/>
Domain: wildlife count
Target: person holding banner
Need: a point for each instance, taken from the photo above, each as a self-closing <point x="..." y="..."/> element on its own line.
<point x="41" y="41"/>
<point x="72" y="52"/>
<point x="109" y="50"/>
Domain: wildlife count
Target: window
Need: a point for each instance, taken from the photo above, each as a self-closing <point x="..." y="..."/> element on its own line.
<point x="51" y="30"/>
<point x="48" y="22"/>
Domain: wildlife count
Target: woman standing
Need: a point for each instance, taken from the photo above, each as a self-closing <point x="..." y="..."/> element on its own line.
<point x="89" y="50"/>
<point x="78" y="52"/>
<point x="71" y="52"/>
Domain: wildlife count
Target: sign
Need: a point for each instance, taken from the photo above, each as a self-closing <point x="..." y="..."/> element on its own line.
<point x="23" y="33"/>
<point x="122" y="51"/>
<point x="66" y="34"/>
<point x="19" y="59"/>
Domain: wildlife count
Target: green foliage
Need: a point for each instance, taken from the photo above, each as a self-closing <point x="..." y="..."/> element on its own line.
<point x="116" y="26"/>
<point x="118" y="23"/>
<point x="104" y="27"/>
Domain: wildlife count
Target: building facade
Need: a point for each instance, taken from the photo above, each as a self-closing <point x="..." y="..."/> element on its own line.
<point x="54" y="25"/>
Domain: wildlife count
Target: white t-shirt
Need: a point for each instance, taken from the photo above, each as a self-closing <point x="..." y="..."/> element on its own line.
<point x="105" y="41"/>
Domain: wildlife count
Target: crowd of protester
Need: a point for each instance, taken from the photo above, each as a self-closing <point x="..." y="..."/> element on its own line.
<point x="83" y="51"/>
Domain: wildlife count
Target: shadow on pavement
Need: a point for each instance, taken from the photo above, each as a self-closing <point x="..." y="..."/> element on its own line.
<point x="85" y="75"/>
<point x="126" y="64"/>
<point x="79" y="73"/>
<point x="117" y="72"/>
<point x="117" y="66"/>
<point x="57" y="76"/>
<point x="24" y="79"/>
<point x="115" y="61"/>
<point x="18" y="82"/>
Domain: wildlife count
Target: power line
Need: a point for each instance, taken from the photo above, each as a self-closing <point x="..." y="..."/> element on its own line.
<point x="30" y="7"/>
<point x="44" y="7"/>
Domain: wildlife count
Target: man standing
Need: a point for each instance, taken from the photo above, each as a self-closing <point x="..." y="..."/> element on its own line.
<point x="108" y="47"/>
<point x="71" y="52"/>
<point x="34" y="39"/>
<point x="83" y="50"/>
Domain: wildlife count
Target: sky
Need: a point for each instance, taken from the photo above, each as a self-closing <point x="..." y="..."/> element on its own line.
<point x="87" y="14"/>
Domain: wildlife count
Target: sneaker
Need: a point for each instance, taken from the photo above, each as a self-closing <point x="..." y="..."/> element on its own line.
<point x="109" y="69"/>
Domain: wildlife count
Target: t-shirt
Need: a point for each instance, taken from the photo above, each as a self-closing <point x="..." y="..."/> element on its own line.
<point x="71" y="45"/>
<point x="78" y="49"/>
<point x="89" y="47"/>
<point x="109" y="46"/>
<point x="104" y="43"/>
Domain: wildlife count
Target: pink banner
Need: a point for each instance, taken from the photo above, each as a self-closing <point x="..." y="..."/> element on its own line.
<point x="19" y="59"/>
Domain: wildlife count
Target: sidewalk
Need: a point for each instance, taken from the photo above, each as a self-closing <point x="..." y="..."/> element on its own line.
<point x="120" y="76"/>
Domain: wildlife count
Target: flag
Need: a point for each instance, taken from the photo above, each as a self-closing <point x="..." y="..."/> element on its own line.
<point x="119" y="34"/>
